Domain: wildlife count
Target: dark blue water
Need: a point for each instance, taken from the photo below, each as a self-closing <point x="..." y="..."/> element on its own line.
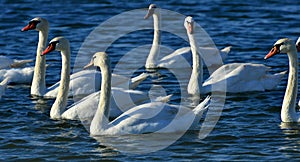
<point x="249" y="128"/>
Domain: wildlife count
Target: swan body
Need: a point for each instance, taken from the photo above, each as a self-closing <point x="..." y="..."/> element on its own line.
<point x="6" y="63"/>
<point x="243" y="77"/>
<point x="288" y="110"/>
<point x="17" y="75"/>
<point x="239" y="77"/>
<point x="80" y="82"/>
<point x="86" y="108"/>
<point x="173" y="60"/>
<point x="145" y="118"/>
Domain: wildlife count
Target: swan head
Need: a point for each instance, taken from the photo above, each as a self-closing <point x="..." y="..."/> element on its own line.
<point x="37" y="23"/>
<point x="151" y="11"/>
<point x="283" y="45"/>
<point x="99" y="59"/>
<point x="298" y="44"/>
<point x="58" y="44"/>
<point x="189" y="24"/>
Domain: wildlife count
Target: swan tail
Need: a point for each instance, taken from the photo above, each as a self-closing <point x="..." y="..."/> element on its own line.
<point x="202" y="106"/>
<point x="271" y="81"/>
<point x="137" y="80"/>
<point x="226" y="50"/>
<point x="281" y="74"/>
<point x="20" y="63"/>
<point x="163" y="98"/>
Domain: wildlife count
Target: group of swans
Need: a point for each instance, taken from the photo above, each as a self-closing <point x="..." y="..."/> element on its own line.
<point x="153" y="115"/>
<point x="139" y="119"/>
<point x="172" y="60"/>
<point x="239" y="77"/>
<point x="80" y="82"/>
<point x="144" y="118"/>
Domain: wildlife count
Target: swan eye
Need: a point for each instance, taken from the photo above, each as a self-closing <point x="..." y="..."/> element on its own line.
<point x="152" y="6"/>
<point x="35" y="22"/>
<point x="278" y="45"/>
<point x="54" y="43"/>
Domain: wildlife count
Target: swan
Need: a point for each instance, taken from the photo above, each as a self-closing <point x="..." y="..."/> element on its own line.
<point x="38" y="85"/>
<point x="145" y="118"/>
<point x="288" y="109"/>
<point x="60" y="44"/>
<point x="80" y="82"/>
<point x="239" y="77"/>
<point x="171" y="60"/>
<point x="6" y="62"/>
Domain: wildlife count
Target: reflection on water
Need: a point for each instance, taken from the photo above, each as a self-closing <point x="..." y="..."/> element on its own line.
<point x="139" y="144"/>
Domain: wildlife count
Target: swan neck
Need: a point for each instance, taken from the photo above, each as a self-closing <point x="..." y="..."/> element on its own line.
<point x="197" y="62"/>
<point x="151" y="61"/>
<point x="195" y="83"/>
<point x="101" y="118"/>
<point x="62" y="96"/>
<point x="288" y="111"/>
<point x="38" y="86"/>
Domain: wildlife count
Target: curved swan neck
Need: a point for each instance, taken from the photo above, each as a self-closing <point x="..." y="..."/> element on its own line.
<point x="151" y="61"/>
<point x="38" y="86"/>
<point x="195" y="83"/>
<point x="288" y="111"/>
<point x="101" y="118"/>
<point x="62" y="96"/>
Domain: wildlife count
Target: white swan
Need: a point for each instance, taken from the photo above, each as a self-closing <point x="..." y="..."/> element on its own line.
<point x="6" y="62"/>
<point x="38" y="85"/>
<point x="288" y="110"/>
<point x="80" y="82"/>
<point x="145" y="118"/>
<point x="240" y="77"/>
<point x="60" y="44"/>
<point x="171" y="60"/>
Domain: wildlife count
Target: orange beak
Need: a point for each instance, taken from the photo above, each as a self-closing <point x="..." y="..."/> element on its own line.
<point x="275" y="50"/>
<point x="30" y="26"/>
<point x="50" y="48"/>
